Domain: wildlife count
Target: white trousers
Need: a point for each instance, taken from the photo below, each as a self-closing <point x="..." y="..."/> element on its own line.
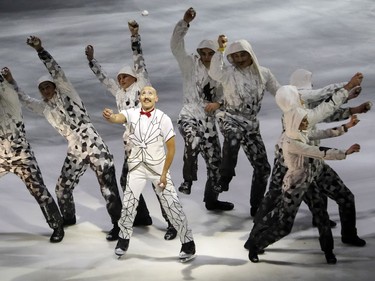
<point x="137" y="180"/>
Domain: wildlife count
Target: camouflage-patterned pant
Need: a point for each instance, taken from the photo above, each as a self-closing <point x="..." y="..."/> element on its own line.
<point x="235" y="136"/>
<point x="326" y="181"/>
<point x="279" y="222"/>
<point x="137" y="181"/>
<point x="17" y="157"/>
<point x="201" y="137"/>
<point x="275" y="216"/>
<point x="142" y="210"/>
<point x="100" y="160"/>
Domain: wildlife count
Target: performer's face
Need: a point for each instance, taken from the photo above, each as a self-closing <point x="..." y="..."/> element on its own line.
<point x="126" y="80"/>
<point x="242" y="59"/>
<point x="304" y="124"/>
<point x="206" y="56"/>
<point x="47" y="90"/>
<point x="148" y="98"/>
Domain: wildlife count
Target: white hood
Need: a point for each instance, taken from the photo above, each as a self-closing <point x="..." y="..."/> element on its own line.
<point x="45" y="78"/>
<point x="210" y="44"/>
<point x="292" y="121"/>
<point x="243" y="45"/>
<point x="287" y="98"/>
<point x="127" y="70"/>
<point x="301" y="78"/>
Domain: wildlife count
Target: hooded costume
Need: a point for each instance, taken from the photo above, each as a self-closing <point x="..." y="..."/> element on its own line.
<point x="17" y="157"/>
<point x="67" y="114"/>
<point x="297" y="153"/>
<point x="243" y="93"/>
<point x="197" y="127"/>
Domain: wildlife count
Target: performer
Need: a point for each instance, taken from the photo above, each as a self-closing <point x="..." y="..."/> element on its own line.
<point x="64" y="110"/>
<point x="297" y="153"/>
<point x="244" y="84"/>
<point x="17" y="157"/>
<point x="150" y="130"/>
<point x="130" y="81"/>
<point x="202" y="99"/>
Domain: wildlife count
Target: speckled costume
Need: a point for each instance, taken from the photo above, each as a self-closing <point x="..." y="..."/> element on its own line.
<point x="243" y="92"/>
<point x="197" y="127"/>
<point x="68" y="115"/>
<point x="17" y="157"/>
<point x="277" y="212"/>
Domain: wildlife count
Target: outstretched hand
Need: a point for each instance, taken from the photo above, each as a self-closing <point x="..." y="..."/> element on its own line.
<point x="354" y="148"/>
<point x="189" y="15"/>
<point x="355" y="81"/>
<point x="34" y="42"/>
<point x="362" y="108"/>
<point x="133" y="27"/>
<point x="5" y="72"/>
<point x="107" y="113"/>
<point x="89" y="51"/>
<point x="353" y="121"/>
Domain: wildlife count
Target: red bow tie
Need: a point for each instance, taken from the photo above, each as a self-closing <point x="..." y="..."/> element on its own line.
<point x="147" y="113"/>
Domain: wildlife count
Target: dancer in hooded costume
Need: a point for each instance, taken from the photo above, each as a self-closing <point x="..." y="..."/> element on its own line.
<point x="202" y="100"/>
<point x="64" y="110"/>
<point x="297" y="154"/>
<point x="130" y="81"/>
<point x="325" y="106"/>
<point x="17" y="157"/>
<point x="244" y="83"/>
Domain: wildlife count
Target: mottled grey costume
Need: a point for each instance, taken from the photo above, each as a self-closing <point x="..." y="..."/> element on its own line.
<point x="68" y="115"/>
<point x="17" y="157"/>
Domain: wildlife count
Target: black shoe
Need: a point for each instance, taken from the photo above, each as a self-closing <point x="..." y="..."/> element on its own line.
<point x="247" y="247"/>
<point x="145" y="221"/>
<point x="113" y="233"/>
<point x="330" y="257"/>
<point x="121" y="247"/>
<point x="69" y="221"/>
<point x="353" y="241"/>
<point x="219" y="206"/>
<point x="187" y="250"/>
<point x="253" y="251"/>
<point x="171" y="233"/>
<point x="185" y="187"/>
<point x="332" y="223"/>
<point x="57" y="235"/>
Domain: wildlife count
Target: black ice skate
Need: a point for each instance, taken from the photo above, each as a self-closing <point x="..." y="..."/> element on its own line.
<point x="185" y="187"/>
<point x="121" y="247"/>
<point x="187" y="252"/>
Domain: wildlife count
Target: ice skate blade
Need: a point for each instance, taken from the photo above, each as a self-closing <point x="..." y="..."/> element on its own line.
<point x="184" y="260"/>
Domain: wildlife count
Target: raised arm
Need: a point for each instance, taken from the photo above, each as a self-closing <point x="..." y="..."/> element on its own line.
<point x="61" y="81"/>
<point x="177" y="43"/>
<point x="216" y="70"/>
<point x="32" y="104"/>
<point x="102" y="76"/>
